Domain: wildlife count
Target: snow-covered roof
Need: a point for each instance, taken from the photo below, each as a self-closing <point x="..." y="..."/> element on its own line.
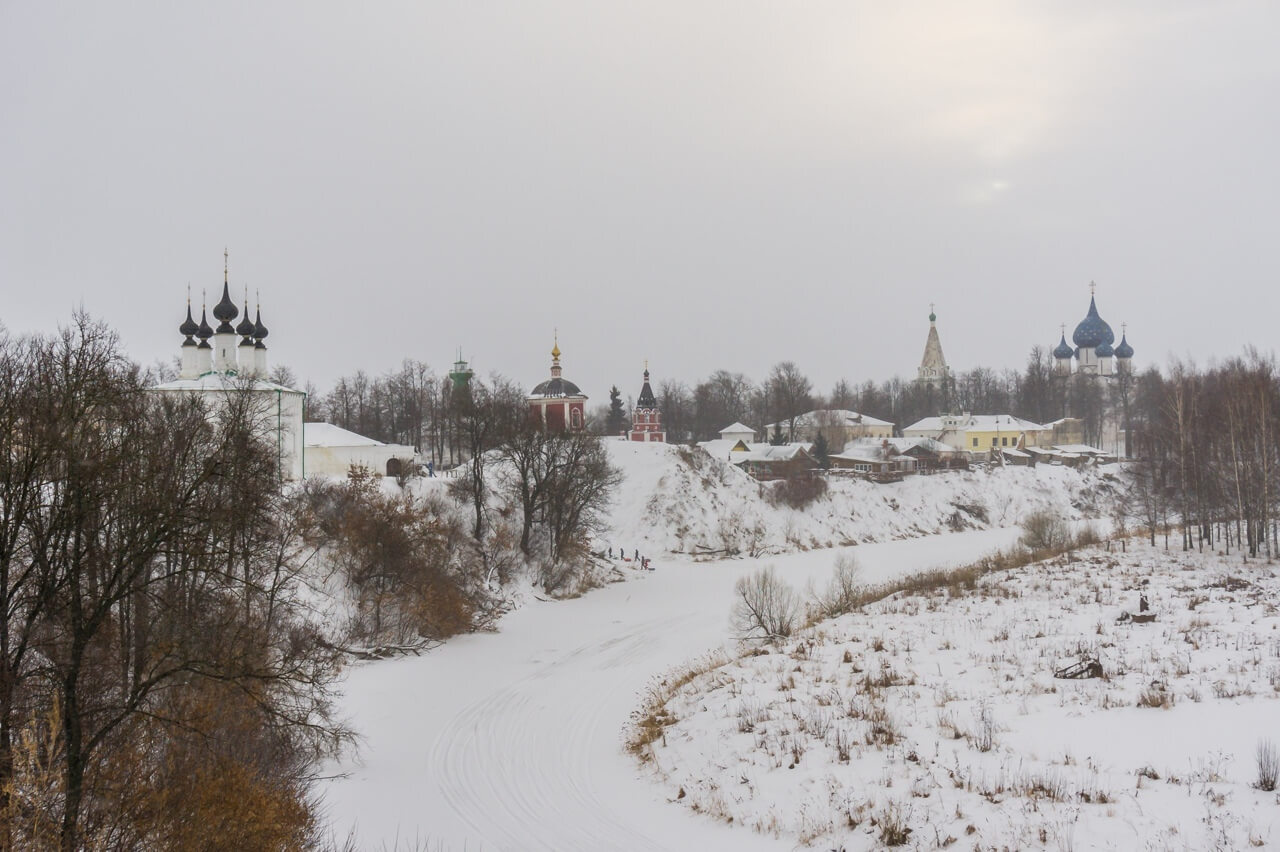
<point x="901" y="445"/>
<point x="864" y="457"/>
<point x="737" y="429"/>
<point x="224" y="382"/>
<point x="1015" y="453"/>
<point x="328" y="435"/>
<point x="722" y="448"/>
<point x="834" y="417"/>
<point x="776" y="452"/>
<point x="976" y="423"/>
<point x="762" y="452"/>
<point x="1081" y="449"/>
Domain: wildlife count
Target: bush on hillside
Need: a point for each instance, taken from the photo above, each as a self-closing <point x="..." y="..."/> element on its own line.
<point x="414" y="570"/>
<point x="1046" y="530"/>
<point x="797" y="492"/>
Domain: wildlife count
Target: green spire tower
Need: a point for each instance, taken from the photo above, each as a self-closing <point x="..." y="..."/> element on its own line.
<point x="461" y="373"/>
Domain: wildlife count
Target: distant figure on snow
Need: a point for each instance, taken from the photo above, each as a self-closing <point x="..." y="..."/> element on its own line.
<point x="611" y="553"/>
<point x="431" y="469"/>
<point x="1143" y="606"/>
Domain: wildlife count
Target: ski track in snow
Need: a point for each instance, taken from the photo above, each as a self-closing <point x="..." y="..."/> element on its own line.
<point x="514" y="740"/>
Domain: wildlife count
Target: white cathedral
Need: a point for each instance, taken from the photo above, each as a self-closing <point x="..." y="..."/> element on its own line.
<point x="225" y="367"/>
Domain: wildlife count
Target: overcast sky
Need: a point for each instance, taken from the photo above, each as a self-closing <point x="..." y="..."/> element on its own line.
<point x="701" y="184"/>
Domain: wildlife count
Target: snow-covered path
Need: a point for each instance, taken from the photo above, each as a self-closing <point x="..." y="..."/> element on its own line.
<point x="513" y="740"/>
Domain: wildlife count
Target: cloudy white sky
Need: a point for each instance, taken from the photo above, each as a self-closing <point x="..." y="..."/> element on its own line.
<point x="702" y="184"/>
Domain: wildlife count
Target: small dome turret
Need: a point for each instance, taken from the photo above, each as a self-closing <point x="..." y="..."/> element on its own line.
<point x="1124" y="350"/>
<point x="647" y="399"/>
<point x="188" y="328"/>
<point x="259" y="330"/>
<point x="245" y="327"/>
<point x="1063" y="350"/>
<point x="1104" y="350"/>
<point x="204" y="332"/>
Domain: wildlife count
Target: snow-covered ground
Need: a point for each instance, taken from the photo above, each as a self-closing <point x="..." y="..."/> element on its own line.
<point x="514" y="740"/>
<point x="941" y="715"/>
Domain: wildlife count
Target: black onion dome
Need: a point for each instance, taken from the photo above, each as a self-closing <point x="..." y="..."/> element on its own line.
<point x="1063" y="349"/>
<point x="647" y="399"/>
<point x="1124" y="350"/>
<point x="225" y="311"/>
<point x="1093" y="330"/>
<point x="556" y="388"/>
<point x="259" y="330"/>
<point x="188" y="327"/>
<point x="204" y="332"/>
<point x="245" y="328"/>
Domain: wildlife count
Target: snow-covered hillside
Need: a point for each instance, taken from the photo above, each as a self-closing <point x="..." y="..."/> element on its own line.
<point x="678" y="500"/>
<point x="929" y="719"/>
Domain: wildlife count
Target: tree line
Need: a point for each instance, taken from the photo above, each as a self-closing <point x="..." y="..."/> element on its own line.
<point x="1207" y="449"/>
<point x="157" y="676"/>
<point x="414" y="405"/>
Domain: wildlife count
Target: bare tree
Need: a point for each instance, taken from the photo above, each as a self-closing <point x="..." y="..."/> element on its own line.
<point x="790" y="394"/>
<point x="764" y="607"/>
<point x="577" y="493"/>
<point x="676" y="404"/>
<point x="486" y="415"/>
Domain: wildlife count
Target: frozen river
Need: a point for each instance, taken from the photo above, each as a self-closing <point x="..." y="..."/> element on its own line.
<point x="513" y="740"/>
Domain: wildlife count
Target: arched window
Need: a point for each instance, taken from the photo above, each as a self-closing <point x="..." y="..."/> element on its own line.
<point x="575" y="417"/>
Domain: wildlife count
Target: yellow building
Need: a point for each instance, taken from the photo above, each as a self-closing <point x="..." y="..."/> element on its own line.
<point x="980" y="433"/>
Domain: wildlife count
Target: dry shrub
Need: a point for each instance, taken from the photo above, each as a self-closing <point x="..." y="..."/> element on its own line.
<point x="893" y="825"/>
<point x="843" y="592"/>
<point x="1045" y="531"/>
<point x="415" y="572"/>
<point x="224" y="778"/>
<point x="649" y="723"/>
<point x="797" y="492"/>
<point x="1268" y="765"/>
<point x="228" y="779"/>
<point x="765" y="607"/>
<point x="31" y="816"/>
<point x="1156" y="695"/>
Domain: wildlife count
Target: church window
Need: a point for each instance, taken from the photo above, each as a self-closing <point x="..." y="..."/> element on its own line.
<point x="975" y="442"/>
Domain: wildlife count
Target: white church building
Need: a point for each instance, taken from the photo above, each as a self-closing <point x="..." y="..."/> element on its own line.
<point x="235" y="362"/>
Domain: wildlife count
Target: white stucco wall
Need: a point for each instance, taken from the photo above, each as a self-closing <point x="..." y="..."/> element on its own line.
<point x="337" y="461"/>
<point x="280" y="410"/>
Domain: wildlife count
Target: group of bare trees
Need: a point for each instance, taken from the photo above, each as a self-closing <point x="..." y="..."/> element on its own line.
<point x="411" y="567"/>
<point x="155" y="676"/>
<point x="1207" y="444"/>
<point x="412" y="405"/>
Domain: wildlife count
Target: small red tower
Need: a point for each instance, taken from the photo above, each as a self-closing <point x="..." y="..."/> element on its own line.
<point x="557" y="403"/>
<point x="646" y="419"/>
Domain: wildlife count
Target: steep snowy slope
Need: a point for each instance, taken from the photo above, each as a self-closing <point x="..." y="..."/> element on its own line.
<point x="677" y="500"/>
